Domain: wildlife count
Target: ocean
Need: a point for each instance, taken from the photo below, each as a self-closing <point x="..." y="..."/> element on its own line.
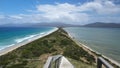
<point x="10" y="36"/>
<point x="102" y="40"/>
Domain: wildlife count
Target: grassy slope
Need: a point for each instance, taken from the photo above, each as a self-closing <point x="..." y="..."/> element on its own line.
<point x="34" y="54"/>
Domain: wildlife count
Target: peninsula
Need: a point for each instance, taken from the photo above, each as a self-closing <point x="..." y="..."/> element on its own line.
<point x="35" y="53"/>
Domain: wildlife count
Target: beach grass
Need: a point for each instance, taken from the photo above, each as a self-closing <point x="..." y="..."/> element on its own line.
<point x="80" y="64"/>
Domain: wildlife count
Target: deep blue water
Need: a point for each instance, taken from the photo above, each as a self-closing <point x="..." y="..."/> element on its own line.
<point x="13" y="35"/>
<point x="103" y="40"/>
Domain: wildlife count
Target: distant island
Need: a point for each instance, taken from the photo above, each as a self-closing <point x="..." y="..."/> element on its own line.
<point x="103" y="25"/>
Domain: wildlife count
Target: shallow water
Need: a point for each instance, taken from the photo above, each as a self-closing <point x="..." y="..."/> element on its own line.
<point x="103" y="40"/>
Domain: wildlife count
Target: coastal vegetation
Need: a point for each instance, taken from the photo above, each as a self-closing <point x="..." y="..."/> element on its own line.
<point x="35" y="54"/>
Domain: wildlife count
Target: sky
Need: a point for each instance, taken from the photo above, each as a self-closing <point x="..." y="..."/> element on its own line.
<point x="59" y="11"/>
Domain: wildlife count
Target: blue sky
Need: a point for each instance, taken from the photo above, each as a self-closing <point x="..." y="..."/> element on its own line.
<point x="21" y="6"/>
<point x="65" y="11"/>
<point x="16" y="6"/>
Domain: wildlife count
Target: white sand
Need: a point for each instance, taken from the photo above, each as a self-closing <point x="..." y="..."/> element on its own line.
<point x="11" y="48"/>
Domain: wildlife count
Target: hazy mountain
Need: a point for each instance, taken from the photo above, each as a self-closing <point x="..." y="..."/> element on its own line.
<point x="53" y="24"/>
<point x="103" y="25"/>
<point x="58" y="24"/>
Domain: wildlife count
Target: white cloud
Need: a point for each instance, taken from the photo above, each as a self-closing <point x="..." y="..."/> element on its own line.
<point x="95" y="11"/>
<point x="2" y="16"/>
<point x="16" y="17"/>
<point x="62" y="13"/>
<point x="104" y="7"/>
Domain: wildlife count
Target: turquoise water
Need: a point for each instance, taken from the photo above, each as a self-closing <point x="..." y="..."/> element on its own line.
<point x="12" y="35"/>
<point x="103" y="40"/>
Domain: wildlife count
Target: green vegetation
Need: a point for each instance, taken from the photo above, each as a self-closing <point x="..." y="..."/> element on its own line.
<point x="35" y="54"/>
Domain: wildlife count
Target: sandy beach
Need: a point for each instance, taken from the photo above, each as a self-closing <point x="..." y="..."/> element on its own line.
<point x="92" y="52"/>
<point x="11" y="48"/>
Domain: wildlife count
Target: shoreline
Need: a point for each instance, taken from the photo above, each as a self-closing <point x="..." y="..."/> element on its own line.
<point x="92" y="52"/>
<point x="13" y="47"/>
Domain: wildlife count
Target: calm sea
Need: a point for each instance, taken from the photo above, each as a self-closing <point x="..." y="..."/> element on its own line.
<point x="103" y="40"/>
<point x="12" y="35"/>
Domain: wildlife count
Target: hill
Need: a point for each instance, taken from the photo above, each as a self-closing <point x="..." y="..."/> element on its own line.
<point x="44" y="24"/>
<point x="103" y="25"/>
